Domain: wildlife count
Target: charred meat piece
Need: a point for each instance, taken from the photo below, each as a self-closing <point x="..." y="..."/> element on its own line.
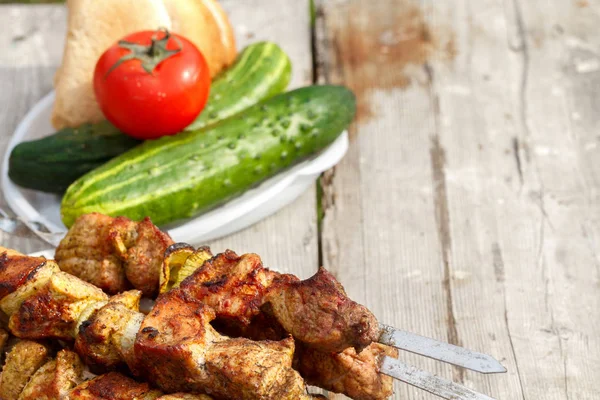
<point x="315" y="311"/>
<point x="318" y="312"/>
<point x="114" y="253"/>
<point x="179" y="350"/>
<point x="173" y="341"/>
<point x="354" y="374"/>
<point x="35" y="281"/>
<point x="54" y="309"/>
<point x="16" y="269"/>
<point x="254" y="369"/>
<point x="234" y="286"/>
<point x="55" y="379"/>
<point x="113" y="386"/>
<point x="100" y="339"/>
<point x="144" y="254"/>
<point x="23" y="360"/>
<point x="88" y="252"/>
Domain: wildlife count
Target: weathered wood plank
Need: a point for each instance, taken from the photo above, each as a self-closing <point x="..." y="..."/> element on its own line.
<point x="471" y="152"/>
<point x="379" y="230"/>
<point x="471" y="195"/>
<point x="31" y="50"/>
<point x="286" y="241"/>
<point x="550" y="307"/>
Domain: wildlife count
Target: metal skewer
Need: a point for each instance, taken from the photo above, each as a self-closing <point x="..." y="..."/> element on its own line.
<point x="440" y="351"/>
<point x="424" y="380"/>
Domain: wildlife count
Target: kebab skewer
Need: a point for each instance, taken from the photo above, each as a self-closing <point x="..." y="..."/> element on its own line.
<point x="174" y="347"/>
<point x="318" y="313"/>
<point x="236" y="288"/>
<point x="104" y="329"/>
<point x="275" y="291"/>
<point x="118" y="249"/>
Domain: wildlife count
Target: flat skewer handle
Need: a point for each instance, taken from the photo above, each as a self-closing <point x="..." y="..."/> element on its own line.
<point x="426" y="381"/>
<point x="440" y="351"/>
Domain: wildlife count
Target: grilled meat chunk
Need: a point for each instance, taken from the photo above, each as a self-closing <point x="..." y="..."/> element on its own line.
<point x="245" y="369"/>
<point x="113" y="386"/>
<point x="355" y="375"/>
<point x="54" y="310"/>
<point x="234" y="286"/>
<point x="144" y="255"/>
<point x="172" y="343"/>
<point x="88" y="252"/>
<point x="55" y="379"/>
<point x="179" y="350"/>
<point x="23" y="360"/>
<point x="100" y="338"/>
<point x="16" y="269"/>
<point x="35" y="281"/>
<point x="114" y="253"/>
<point x="318" y="312"/>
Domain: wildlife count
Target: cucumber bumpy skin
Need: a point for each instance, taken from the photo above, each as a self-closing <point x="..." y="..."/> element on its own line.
<point x="181" y="176"/>
<point x="261" y="71"/>
<point x="51" y="164"/>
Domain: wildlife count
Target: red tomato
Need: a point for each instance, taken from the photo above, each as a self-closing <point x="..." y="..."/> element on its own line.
<point x="152" y="84"/>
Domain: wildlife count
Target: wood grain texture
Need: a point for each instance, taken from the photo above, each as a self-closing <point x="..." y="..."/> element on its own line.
<point x="379" y="231"/>
<point x="31" y="47"/>
<point x="467" y="208"/>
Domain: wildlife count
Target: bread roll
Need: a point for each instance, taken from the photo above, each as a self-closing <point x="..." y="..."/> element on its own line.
<point x="205" y="23"/>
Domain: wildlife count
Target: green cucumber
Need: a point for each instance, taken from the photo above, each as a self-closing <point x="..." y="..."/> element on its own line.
<point x="261" y="71"/>
<point x="51" y="164"/>
<point x="181" y="176"/>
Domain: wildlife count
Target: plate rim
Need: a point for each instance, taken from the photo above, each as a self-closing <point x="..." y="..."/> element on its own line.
<point x="12" y="194"/>
<point x="319" y="163"/>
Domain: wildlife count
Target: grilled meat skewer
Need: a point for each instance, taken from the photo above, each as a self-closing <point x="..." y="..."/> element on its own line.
<point x="174" y="347"/>
<point x="239" y="289"/>
<point x="316" y="311"/>
<point x="256" y="296"/>
<point x="255" y="302"/>
<point x="114" y="252"/>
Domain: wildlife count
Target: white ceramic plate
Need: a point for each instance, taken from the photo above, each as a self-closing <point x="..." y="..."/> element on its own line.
<point x="233" y="216"/>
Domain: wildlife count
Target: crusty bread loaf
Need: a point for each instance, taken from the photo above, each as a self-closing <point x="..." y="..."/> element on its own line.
<point x="93" y="26"/>
<point x="205" y="23"/>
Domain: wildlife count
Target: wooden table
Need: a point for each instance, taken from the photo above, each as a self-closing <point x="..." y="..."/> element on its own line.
<point x="468" y="206"/>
